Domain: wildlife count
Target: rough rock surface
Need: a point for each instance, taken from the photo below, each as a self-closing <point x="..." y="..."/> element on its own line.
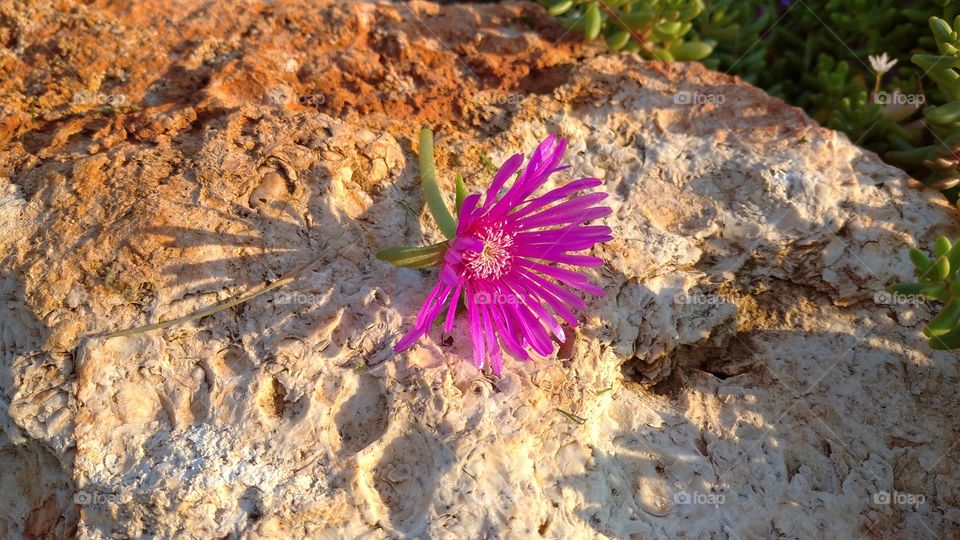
<point x="743" y="357"/>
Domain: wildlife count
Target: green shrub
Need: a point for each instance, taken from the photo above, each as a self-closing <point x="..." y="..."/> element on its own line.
<point x="937" y="279"/>
<point x="884" y="74"/>
<point x="816" y="55"/>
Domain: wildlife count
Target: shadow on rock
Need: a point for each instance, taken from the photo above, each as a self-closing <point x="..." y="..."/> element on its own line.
<point x="41" y="497"/>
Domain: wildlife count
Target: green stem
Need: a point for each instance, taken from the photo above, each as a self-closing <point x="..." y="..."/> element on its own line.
<point x="461" y="193"/>
<point x="414" y="257"/>
<point x="431" y="191"/>
<point x="216" y="308"/>
<point x="570" y="416"/>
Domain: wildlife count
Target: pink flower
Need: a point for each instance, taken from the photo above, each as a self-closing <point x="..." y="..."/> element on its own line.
<point x="502" y="261"/>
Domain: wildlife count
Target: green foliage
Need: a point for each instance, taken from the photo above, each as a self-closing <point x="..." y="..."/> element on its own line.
<point x="818" y="57"/>
<point x="815" y="54"/>
<point x="885" y="72"/>
<point x="937" y="279"/>
<point x="942" y="157"/>
<point x="651" y="28"/>
<point x="736" y="27"/>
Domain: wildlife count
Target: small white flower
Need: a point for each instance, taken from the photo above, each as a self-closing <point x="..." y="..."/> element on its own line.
<point x="881" y="63"/>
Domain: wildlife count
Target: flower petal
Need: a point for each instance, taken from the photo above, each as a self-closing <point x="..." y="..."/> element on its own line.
<point x="409" y="339"/>
<point x="526" y="325"/>
<point x="577" y="210"/>
<point x="543" y="162"/>
<point x="561" y="192"/>
<point x="507" y="170"/>
<point x="577" y="234"/>
<point x="493" y="346"/>
<point x="431" y="306"/>
<point x="569" y="277"/>
<point x="476" y="329"/>
<point x="556" y="255"/>
<point x="452" y="309"/>
<point x="546" y="286"/>
<point x="466" y="213"/>
<point x="428" y="312"/>
<point x="556" y="304"/>
<point x="505" y="324"/>
<point x="520" y="323"/>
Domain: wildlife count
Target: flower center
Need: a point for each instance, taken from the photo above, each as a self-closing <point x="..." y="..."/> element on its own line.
<point x="495" y="258"/>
